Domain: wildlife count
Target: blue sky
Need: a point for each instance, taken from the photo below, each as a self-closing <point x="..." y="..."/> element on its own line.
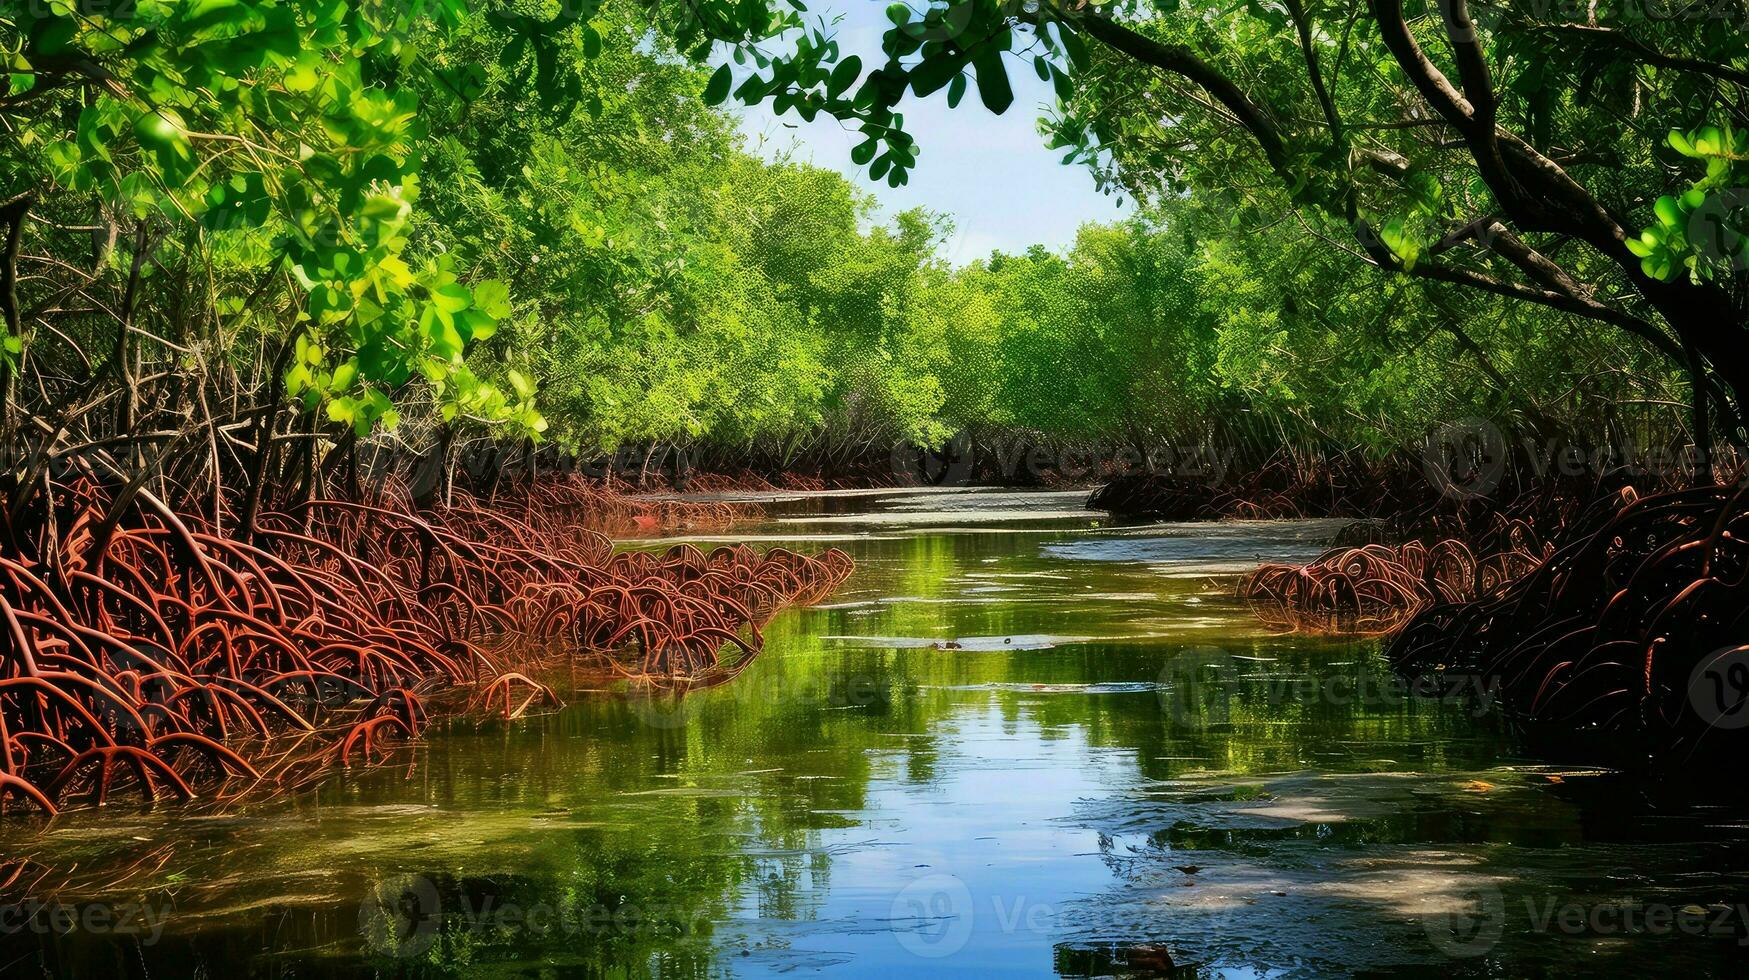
<point x="991" y="173"/>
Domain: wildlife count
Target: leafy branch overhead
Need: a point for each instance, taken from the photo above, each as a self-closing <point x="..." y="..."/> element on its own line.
<point x="278" y="129"/>
<point x="1505" y="150"/>
<point x="1592" y="168"/>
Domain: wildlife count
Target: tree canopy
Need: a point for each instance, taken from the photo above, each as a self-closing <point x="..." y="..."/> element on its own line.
<point x="535" y="221"/>
<point x="1590" y="164"/>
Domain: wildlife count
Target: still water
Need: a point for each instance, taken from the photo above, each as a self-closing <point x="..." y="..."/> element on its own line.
<point x="1019" y="741"/>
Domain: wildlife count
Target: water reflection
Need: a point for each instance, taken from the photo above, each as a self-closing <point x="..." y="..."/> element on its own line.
<point x="1026" y="746"/>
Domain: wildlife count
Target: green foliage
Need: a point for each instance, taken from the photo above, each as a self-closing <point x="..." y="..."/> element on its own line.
<point x="446" y="204"/>
<point x="1504" y="148"/>
<point x="282" y="130"/>
<point x="1701" y="230"/>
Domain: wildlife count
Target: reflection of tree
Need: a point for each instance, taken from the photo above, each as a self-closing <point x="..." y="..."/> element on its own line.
<point x="721" y="811"/>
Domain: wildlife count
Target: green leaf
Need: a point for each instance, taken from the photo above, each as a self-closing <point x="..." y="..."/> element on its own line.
<point x="492" y="298"/>
<point x="1667" y="210"/>
<point x="162" y="135"/>
<point x="993" y="87"/>
<point x="1396" y="237"/>
<point x="452" y="298"/>
<point x="956" y="90"/>
<point x="752" y="90"/>
<point x="1075" y="46"/>
<point x="200" y="15"/>
<point x="1060" y="81"/>
<point x="1708" y="141"/>
<point x="52" y="35"/>
<point x="718" y="88"/>
<point x="297" y="378"/>
<point x="843" y="76"/>
<point x="929" y="76"/>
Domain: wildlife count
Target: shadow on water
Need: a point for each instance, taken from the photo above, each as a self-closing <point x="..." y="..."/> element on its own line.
<point x="1017" y="742"/>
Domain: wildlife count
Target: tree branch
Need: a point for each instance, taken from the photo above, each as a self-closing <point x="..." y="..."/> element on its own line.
<point x="1338" y="136"/>
<point x="1587" y="308"/>
<point x="1620" y="41"/>
<point x="1180" y="60"/>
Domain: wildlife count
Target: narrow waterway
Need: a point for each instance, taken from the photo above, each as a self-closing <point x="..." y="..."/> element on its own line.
<point x="1019" y="741"/>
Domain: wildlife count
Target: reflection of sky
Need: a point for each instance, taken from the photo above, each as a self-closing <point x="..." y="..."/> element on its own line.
<point x="1209" y="548"/>
<point x="992" y="820"/>
<point x="1119" y="755"/>
<point x="992" y="174"/>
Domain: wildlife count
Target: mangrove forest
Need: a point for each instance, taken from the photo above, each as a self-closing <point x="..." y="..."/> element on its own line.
<point x="736" y="488"/>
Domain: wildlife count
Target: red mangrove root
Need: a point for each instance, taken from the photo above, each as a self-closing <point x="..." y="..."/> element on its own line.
<point x="146" y="653"/>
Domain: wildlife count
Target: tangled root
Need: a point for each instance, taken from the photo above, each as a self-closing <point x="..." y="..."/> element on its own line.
<point x="1372" y="590"/>
<point x="1609" y="634"/>
<point x="145" y="651"/>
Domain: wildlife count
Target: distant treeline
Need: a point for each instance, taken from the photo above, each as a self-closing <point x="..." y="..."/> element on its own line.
<point x="677" y="293"/>
<point x="556" y="243"/>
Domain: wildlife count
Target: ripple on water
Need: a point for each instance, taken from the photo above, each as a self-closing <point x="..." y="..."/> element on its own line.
<point x="1230" y="547"/>
<point x="1317" y="874"/>
<point x="795" y="810"/>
